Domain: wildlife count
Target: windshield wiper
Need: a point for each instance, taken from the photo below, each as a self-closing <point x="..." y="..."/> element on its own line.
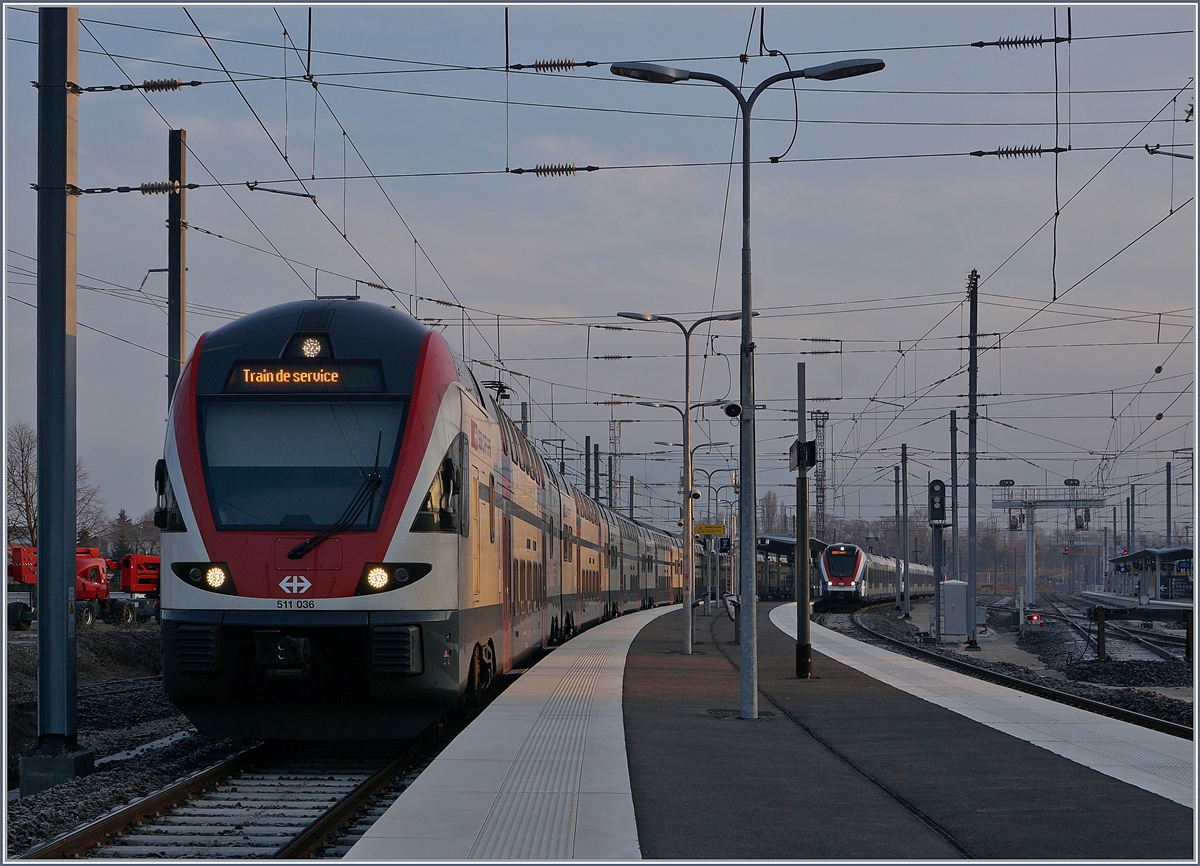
<point x="365" y="494"/>
<point x="363" y="497"/>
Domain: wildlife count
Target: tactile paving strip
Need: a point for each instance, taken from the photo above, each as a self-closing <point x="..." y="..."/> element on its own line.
<point x="534" y="814"/>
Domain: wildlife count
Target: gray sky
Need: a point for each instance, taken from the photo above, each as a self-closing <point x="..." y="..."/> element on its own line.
<point x="863" y="233"/>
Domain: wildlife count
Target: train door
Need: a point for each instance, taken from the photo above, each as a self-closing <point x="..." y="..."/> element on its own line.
<point x="579" y="577"/>
<point x="506" y="583"/>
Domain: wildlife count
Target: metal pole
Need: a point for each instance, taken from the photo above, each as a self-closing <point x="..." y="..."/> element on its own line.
<point x="954" y="494"/>
<point x="56" y="758"/>
<point x="1132" y="505"/>
<point x="937" y="583"/>
<point x="596" y="465"/>
<point x="748" y="527"/>
<point x="1168" y="503"/>
<point x="176" y="258"/>
<point x="525" y="418"/>
<point x="689" y="525"/>
<point x="972" y="424"/>
<point x="899" y="557"/>
<point x="801" y="560"/>
<point x="609" y="499"/>
<point x="631" y="480"/>
<point x="587" y="465"/>
<point x="1030" y="511"/>
<point x="904" y="497"/>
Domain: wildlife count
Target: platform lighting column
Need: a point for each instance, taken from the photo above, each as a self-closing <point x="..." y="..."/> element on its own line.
<point x="801" y="558"/>
<point x="746" y="557"/>
<point x="972" y="426"/>
<point x="689" y="493"/>
<point x="904" y="496"/>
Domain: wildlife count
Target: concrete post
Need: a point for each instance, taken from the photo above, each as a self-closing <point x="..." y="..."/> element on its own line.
<point x="57" y="757"/>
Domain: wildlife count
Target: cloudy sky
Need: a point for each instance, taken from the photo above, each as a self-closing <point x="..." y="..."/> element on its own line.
<point x="864" y="231"/>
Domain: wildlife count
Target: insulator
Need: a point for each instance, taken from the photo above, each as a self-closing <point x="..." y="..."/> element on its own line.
<point x="379" y="286"/>
<point x="555" y="169"/>
<point x="563" y="65"/>
<point x="1019" y="41"/>
<point x="159" y="186"/>
<point x="1013" y="152"/>
<point x="153" y="85"/>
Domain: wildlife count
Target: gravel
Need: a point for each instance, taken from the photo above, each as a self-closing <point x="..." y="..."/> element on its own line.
<point x="1092" y="680"/>
<point x="45" y="816"/>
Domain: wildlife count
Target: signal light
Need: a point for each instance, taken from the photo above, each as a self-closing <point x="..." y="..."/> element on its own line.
<point x="1066" y="549"/>
<point x="1034" y="617"/>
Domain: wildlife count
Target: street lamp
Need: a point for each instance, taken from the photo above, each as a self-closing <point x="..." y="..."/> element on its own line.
<point x="689" y="547"/>
<point x="746" y="556"/>
<point x="708" y="475"/>
<point x="689" y="544"/>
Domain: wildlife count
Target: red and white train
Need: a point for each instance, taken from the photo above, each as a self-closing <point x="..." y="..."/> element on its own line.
<point x="849" y="572"/>
<point x="356" y="537"/>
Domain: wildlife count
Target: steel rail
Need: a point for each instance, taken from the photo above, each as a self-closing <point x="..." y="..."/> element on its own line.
<point x="1121" y="632"/>
<point x="315" y="834"/>
<point x="1160" y="725"/>
<point x="96" y="832"/>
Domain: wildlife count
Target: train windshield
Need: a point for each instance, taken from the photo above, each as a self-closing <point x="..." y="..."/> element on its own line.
<point x="841" y="559"/>
<point x="297" y="465"/>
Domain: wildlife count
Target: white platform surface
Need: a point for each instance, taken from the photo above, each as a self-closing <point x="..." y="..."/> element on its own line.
<point x="541" y="774"/>
<point x="1160" y="763"/>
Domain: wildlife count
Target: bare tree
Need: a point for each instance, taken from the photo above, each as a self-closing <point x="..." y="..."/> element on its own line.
<point x="769" y="503"/>
<point x="146" y="534"/>
<point x="21" y="481"/>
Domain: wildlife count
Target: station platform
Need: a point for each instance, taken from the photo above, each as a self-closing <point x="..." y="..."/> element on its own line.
<point x="617" y="746"/>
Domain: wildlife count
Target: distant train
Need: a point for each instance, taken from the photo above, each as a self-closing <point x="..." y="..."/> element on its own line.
<point x="849" y="572"/>
<point x="356" y="537"/>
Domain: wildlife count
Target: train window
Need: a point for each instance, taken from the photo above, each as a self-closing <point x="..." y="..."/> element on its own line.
<point x="492" y="507"/>
<point x="440" y="510"/>
<point x="463" y="485"/>
<point x="567" y="535"/>
<point x="298" y="465"/>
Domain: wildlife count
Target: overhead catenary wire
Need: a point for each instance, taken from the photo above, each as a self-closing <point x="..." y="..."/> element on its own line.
<point x="195" y="156"/>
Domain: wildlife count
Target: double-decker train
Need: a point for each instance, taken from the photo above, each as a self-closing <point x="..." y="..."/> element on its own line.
<point x="356" y="538"/>
<point x="849" y="572"/>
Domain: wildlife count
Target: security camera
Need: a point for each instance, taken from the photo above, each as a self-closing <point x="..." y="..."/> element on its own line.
<point x="733" y="409"/>
<point x="695" y="494"/>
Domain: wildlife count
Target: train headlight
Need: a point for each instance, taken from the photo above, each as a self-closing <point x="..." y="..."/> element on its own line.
<point x="215" y="577"/>
<point x="311" y="347"/>
<point x="386" y="576"/>
<point x="210" y="576"/>
<point x="378" y="578"/>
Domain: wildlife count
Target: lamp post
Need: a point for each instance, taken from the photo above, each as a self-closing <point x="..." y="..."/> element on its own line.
<point x="689" y="531"/>
<point x="708" y="480"/>
<point x="746" y="554"/>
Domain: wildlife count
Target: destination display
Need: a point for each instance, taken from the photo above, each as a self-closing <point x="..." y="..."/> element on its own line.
<point x="288" y="377"/>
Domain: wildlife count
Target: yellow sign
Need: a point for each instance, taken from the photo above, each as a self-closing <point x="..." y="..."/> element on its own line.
<point x="710" y="528"/>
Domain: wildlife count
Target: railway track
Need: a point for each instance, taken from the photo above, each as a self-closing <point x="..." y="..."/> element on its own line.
<point x="271" y="801"/>
<point x="1163" y="646"/>
<point x="102" y="689"/>
<point x="974" y="670"/>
